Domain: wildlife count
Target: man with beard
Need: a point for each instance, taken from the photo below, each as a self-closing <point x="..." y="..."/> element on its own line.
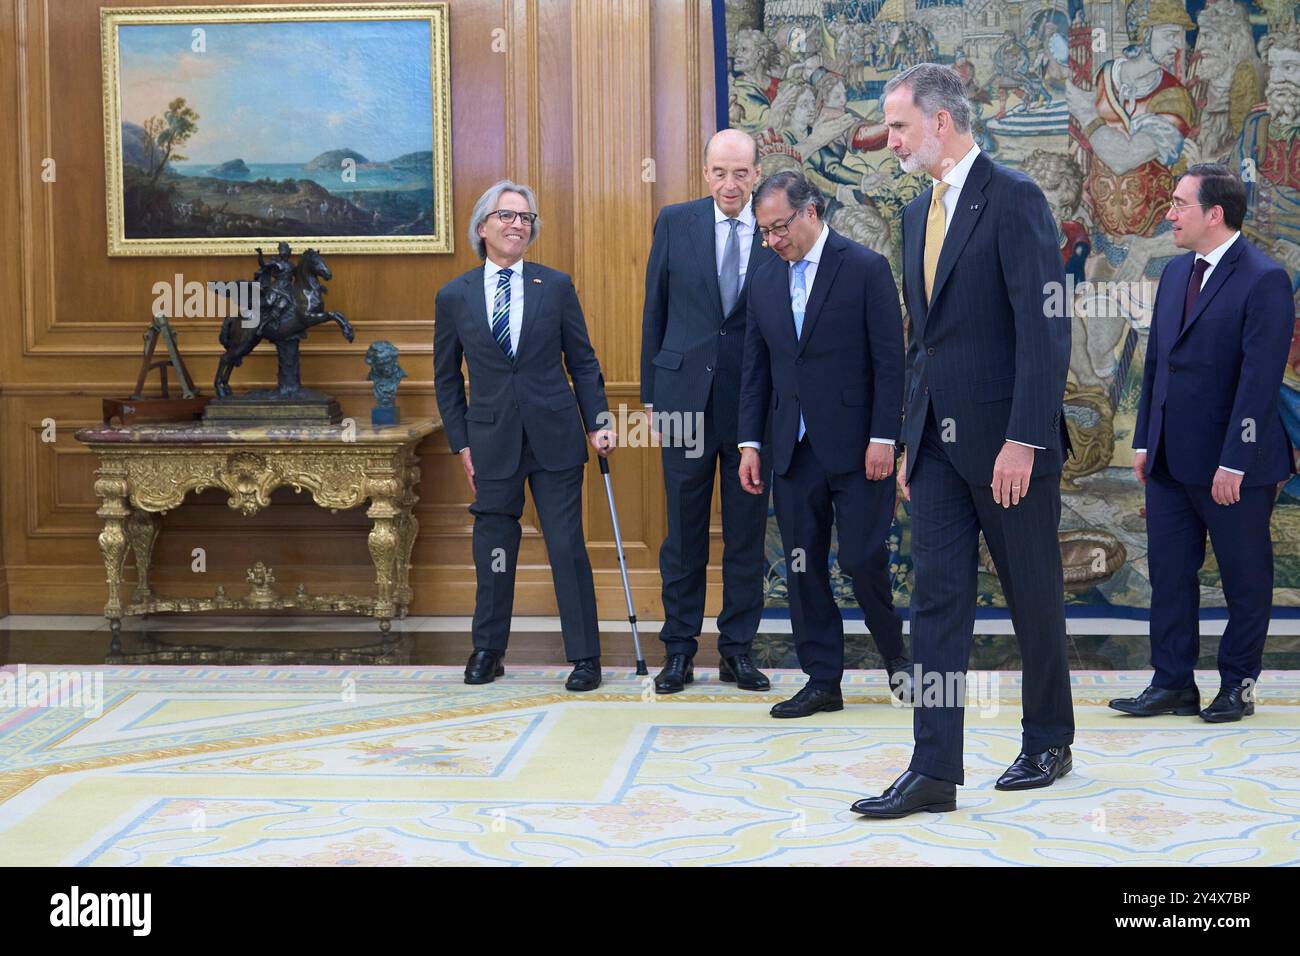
<point x="1135" y="120"/>
<point x="986" y="369"/>
<point x="1227" y="74"/>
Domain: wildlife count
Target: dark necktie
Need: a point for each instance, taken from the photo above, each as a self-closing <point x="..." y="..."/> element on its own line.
<point x="501" y="313"/>
<point x="1193" y="289"/>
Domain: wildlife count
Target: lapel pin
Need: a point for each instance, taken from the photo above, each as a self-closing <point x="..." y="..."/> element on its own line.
<point x="974" y="206"/>
<point x="537" y="281"/>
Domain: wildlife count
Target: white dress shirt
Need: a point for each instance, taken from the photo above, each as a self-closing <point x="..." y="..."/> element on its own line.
<point x="1212" y="257"/>
<point x="956" y="179"/>
<point x="490" y="270"/>
<point x="813" y="256"/>
<point x="744" y="237"/>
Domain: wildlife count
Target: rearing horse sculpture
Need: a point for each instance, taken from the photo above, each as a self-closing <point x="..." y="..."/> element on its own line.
<point x="290" y="301"/>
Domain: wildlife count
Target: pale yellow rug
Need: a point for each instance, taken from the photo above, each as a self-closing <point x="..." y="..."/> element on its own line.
<point x="408" y="766"/>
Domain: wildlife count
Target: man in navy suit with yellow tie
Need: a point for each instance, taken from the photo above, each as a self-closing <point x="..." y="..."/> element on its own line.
<point x="984" y="435"/>
<point x="1209" y="444"/>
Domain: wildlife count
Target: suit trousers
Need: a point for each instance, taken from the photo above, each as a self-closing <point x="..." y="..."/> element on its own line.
<point x="684" y="555"/>
<point x="497" y="508"/>
<point x="807" y="500"/>
<point x="947" y="517"/>
<point x="1178" y="517"/>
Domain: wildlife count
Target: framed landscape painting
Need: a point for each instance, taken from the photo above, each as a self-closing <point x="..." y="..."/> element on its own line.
<point x="228" y="128"/>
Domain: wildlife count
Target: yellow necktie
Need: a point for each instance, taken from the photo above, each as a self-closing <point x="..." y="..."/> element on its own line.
<point x="934" y="226"/>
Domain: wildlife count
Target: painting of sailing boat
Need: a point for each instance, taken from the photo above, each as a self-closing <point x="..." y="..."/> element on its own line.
<point x="227" y="129"/>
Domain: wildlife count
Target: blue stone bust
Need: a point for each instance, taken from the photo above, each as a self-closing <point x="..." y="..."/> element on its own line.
<point x="385" y="373"/>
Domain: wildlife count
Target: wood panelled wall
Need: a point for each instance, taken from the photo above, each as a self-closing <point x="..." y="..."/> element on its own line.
<point x="583" y="95"/>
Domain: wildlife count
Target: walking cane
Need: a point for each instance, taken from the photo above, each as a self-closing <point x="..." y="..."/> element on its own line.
<point x="622" y="567"/>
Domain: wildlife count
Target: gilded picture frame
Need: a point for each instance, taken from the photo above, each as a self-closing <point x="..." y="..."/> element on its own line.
<point x="228" y="128"/>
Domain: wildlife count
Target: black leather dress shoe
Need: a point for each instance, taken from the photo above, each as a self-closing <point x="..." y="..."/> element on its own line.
<point x="1155" y="701"/>
<point x="809" y="701"/>
<point x="1232" y="702"/>
<point x="677" y="673"/>
<point x="1037" y="770"/>
<point x="585" y="676"/>
<point x="900" y="679"/>
<point x="740" y="670"/>
<point x="911" y="793"/>
<point x="483" y="668"/>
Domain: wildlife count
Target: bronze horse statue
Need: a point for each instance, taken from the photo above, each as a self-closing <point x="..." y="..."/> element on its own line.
<point x="290" y="301"/>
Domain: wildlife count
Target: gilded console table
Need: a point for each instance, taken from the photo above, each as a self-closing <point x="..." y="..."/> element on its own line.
<point x="147" y="470"/>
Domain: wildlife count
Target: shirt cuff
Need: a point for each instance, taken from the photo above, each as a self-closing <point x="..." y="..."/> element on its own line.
<point x="1139" y="451"/>
<point x="1232" y="470"/>
<point x="884" y="441"/>
<point x="1026" y="444"/>
<point x="749" y="444"/>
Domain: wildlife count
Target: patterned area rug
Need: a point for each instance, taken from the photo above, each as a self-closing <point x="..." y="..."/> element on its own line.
<point x="408" y="766"/>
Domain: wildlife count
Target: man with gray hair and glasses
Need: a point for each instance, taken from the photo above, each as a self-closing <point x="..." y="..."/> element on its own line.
<point x="517" y="327"/>
<point x="983" y="433"/>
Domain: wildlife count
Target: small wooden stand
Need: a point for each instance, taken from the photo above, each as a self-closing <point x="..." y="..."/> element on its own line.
<point x="137" y="408"/>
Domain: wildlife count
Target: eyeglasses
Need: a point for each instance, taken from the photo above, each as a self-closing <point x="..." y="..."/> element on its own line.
<point x="507" y="216"/>
<point x="781" y="228"/>
<point x="1178" y="208"/>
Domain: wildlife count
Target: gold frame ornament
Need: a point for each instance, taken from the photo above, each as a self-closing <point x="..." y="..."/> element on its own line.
<point x="440" y="240"/>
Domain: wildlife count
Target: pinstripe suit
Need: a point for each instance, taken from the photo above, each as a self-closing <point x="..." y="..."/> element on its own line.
<point x="984" y="365"/>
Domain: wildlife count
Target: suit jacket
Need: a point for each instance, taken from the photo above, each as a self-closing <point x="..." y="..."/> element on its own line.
<point x="687" y="345"/>
<point x="845" y="372"/>
<point x="985" y="352"/>
<point x="529" y="396"/>
<point x="1210" y="393"/>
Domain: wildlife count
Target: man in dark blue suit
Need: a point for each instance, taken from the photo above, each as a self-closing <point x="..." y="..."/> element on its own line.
<point x="986" y="367"/>
<point x="518" y="329"/>
<point x="824" y="361"/>
<point x="1209" y="444"/>
<point x="692" y="342"/>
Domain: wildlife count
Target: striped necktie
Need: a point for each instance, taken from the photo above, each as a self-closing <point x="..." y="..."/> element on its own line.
<point x="501" y="313"/>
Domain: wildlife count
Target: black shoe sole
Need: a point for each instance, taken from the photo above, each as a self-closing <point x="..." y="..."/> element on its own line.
<point x="579" y="690"/>
<point x="1228" y="718"/>
<point x="827" y="708"/>
<point x="1186" y="710"/>
<point x="1038" y="786"/>
<point x="948" y="807"/>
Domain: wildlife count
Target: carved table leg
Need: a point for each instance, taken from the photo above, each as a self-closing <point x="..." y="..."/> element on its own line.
<point x="142" y="532"/>
<point x="111" y="486"/>
<point x="383" y="552"/>
<point x="408" y="527"/>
